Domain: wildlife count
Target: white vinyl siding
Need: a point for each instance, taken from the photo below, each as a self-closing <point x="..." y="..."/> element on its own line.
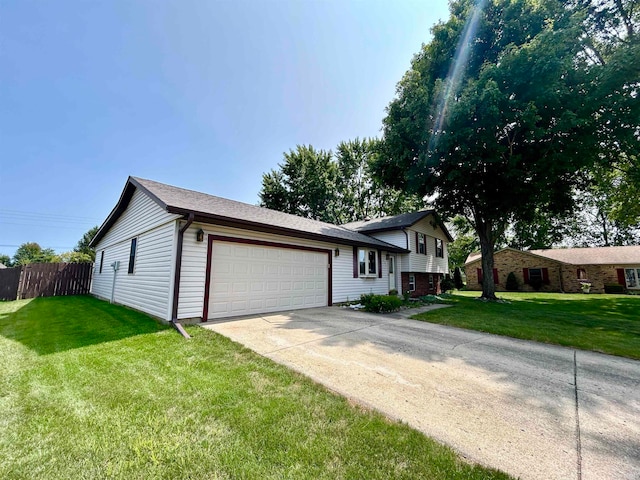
<point x="394" y="237"/>
<point x="141" y="215"/>
<point x="193" y="273"/>
<point x="149" y="287"/>
<point x="429" y="263"/>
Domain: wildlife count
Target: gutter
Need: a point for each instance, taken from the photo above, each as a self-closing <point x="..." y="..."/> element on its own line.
<point x="262" y="227"/>
<point x="176" y="279"/>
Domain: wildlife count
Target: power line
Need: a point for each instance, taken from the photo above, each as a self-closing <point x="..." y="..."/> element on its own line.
<point x="49" y="215"/>
<point x="16" y="246"/>
<point x="43" y="225"/>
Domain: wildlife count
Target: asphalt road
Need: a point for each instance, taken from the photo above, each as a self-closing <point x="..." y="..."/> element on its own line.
<point x="532" y="410"/>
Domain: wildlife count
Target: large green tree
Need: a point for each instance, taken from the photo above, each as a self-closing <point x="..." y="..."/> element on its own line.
<point x="32" y="252"/>
<point x="333" y="187"/>
<point x="83" y="245"/>
<point x="504" y="111"/>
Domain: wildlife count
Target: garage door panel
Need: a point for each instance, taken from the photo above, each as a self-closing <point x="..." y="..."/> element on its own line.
<point x="248" y="279"/>
<point x="241" y="251"/>
<point x="270" y="303"/>
<point x="220" y="288"/>
<point x="222" y="267"/>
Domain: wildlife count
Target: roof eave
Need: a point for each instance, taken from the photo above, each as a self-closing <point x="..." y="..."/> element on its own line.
<point x="402" y="226"/>
<point x="203" y="217"/>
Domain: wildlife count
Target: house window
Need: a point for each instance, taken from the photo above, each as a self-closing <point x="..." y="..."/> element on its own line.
<point x="132" y="254"/>
<point x="632" y="277"/>
<point x="367" y="263"/>
<point x="582" y="274"/>
<point x="439" y="248"/>
<point x="412" y="283"/>
<point x="431" y="286"/>
<point x="422" y="244"/>
<point x="101" y="261"/>
<point x="535" y="275"/>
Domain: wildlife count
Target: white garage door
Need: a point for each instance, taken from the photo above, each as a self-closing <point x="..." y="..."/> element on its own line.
<point x="249" y="279"/>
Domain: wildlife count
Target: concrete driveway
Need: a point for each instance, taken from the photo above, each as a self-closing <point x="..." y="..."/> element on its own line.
<point x="501" y="402"/>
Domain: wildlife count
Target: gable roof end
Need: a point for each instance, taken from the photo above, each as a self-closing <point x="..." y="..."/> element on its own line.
<point x="396" y="222"/>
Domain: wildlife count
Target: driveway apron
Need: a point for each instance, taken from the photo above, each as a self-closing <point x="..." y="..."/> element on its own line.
<point x="532" y="410"/>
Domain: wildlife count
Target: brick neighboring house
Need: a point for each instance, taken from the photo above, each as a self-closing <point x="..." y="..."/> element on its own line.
<point x="562" y="269"/>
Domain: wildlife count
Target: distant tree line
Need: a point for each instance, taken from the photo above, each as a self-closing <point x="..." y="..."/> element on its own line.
<point x="32" y="252"/>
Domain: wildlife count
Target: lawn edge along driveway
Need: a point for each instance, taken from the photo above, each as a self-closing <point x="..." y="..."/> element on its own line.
<point x="92" y="390"/>
<point x="601" y="323"/>
<point x="499" y="401"/>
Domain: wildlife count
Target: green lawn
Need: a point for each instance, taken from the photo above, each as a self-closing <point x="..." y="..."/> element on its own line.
<point x="602" y="323"/>
<point x="91" y="390"/>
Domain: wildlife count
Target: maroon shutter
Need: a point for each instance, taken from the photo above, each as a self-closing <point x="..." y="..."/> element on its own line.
<point x="525" y="275"/>
<point x="495" y="276"/>
<point x="379" y="264"/>
<point x="545" y="276"/>
<point x="621" y="279"/>
<point x="417" y="244"/>
<point x="479" y="275"/>
<point x="355" y="262"/>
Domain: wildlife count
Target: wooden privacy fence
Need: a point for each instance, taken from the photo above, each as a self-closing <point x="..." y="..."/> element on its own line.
<point x="9" y="281"/>
<point x="47" y="280"/>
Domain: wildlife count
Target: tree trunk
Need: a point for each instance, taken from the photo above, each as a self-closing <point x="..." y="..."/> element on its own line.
<point x="487" y="244"/>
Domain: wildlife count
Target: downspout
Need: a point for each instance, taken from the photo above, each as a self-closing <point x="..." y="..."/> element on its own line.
<point x="176" y="279"/>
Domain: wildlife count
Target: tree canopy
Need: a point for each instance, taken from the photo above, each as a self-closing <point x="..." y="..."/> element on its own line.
<point x="333" y="187"/>
<point x="6" y="260"/>
<point x="32" y="252"/>
<point x="505" y="112"/>
<point x="83" y="245"/>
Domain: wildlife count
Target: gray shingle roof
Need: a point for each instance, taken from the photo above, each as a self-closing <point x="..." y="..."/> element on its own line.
<point x="594" y="256"/>
<point x="395" y="222"/>
<point x="628" y="255"/>
<point x="211" y="209"/>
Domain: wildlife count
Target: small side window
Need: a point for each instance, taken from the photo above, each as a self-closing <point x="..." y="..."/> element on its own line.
<point x="412" y="283"/>
<point x="372" y="262"/>
<point x="132" y="255"/>
<point x="422" y="245"/>
<point x="101" y="261"/>
<point x="362" y="262"/>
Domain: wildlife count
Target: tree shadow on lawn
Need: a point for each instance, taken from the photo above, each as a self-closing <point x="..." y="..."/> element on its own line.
<point x="56" y="324"/>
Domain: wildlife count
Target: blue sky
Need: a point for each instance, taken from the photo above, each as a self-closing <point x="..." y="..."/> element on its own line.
<point x="205" y="95"/>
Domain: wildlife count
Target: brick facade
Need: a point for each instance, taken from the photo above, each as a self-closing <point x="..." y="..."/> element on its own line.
<point x="506" y="261"/>
<point x="597" y="275"/>
<point x="423" y="286"/>
<point x="562" y="277"/>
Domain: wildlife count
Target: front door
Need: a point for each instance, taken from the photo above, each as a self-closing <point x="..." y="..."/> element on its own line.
<point x="392" y="273"/>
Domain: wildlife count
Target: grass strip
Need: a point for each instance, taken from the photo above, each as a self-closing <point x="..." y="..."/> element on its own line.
<point x="601" y="323"/>
<point x="92" y="390"/>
